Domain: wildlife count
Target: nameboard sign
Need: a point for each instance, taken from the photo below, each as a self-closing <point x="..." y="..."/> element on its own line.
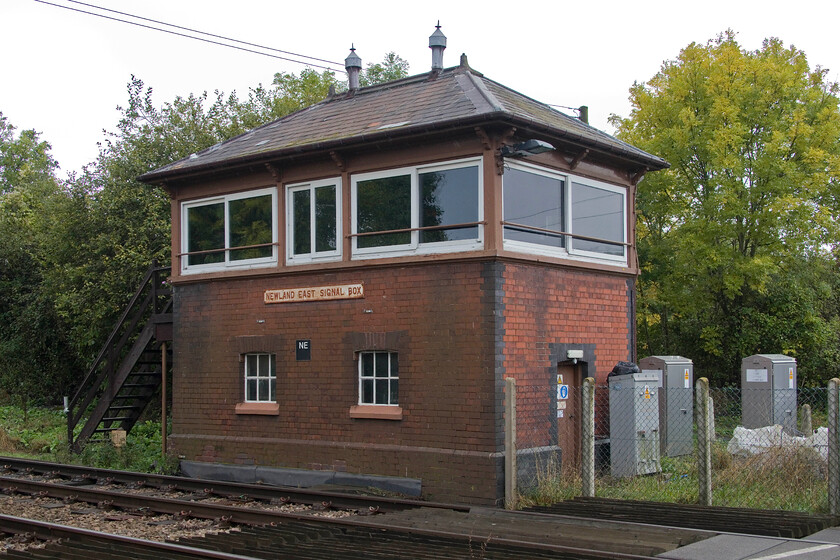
<point x="315" y="293"/>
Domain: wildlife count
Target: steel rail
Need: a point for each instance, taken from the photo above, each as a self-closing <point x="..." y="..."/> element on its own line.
<point x="51" y="531"/>
<point x="251" y="516"/>
<point x="136" y="502"/>
<point x="223" y="489"/>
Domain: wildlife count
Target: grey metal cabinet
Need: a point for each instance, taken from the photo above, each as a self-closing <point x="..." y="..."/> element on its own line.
<point x="768" y="391"/>
<point x="676" y="402"/>
<point x="634" y="424"/>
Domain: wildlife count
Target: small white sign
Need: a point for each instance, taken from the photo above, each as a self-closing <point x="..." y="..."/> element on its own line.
<point x="687" y="385"/>
<point x="559" y="414"/>
<point x="756" y="376"/>
<point x="561" y="405"/>
<point x="562" y="392"/>
<point x="790" y="378"/>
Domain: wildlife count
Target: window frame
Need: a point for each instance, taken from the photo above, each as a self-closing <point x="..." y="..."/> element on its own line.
<point x="414" y="246"/>
<point x="227" y="263"/>
<point x="361" y="378"/>
<point x="272" y="377"/>
<point x="568" y="249"/>
<point x="313" y="256"/>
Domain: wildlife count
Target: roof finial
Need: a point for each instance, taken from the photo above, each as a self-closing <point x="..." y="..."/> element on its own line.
<point x="353" y="65"/>
<point x="437" y="42"/>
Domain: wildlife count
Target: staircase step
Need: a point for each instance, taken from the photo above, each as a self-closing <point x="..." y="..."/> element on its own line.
<point x="140" y="385"/>
<point x="125" y="407"/>
<point x="117" y="419"/>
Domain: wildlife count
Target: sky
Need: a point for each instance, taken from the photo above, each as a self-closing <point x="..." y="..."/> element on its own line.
<point x="64" y="73"/>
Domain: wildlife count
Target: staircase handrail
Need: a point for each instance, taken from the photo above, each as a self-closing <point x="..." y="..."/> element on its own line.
<point x="151" y="276"/>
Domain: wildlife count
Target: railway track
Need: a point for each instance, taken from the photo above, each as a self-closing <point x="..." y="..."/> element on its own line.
<point x="254" y="521"/>
<point x="771" y="523"/>
<point x="76" y="475"/>
<point x="295" y="539"/>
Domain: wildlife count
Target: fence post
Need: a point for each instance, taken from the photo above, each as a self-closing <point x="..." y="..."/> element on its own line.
<point x="587" y="451"/>
<point x="833" y="446"/>
<point x="807" y="427"/>
<point x="704" y="441"/>
<point x="510" y="443"/>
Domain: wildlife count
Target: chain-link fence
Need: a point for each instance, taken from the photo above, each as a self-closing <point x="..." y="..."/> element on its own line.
<point x="767" y="448"/>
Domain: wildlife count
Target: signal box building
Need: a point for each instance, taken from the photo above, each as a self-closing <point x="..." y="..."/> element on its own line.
<point x="354" y="282"/>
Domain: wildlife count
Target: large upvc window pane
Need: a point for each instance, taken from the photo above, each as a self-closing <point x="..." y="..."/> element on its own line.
<point x="251" y="224"/>
<point x="534" y="200"/>
<point x="429" y="209"/>
<point x="234" y="230"/>
<point x="383" y="204"/>
<point x="449" y="197"/>
<point x="205" y="232"/>
<point x="597" y="213"/>
<point x="546" y="212"/>
<point x="325" y="219"/>
<point x="313" y="221"/>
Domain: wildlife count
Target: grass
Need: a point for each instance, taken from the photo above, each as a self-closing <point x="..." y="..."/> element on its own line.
<point x="793" y="480"/>
<point x="42" y="434"/>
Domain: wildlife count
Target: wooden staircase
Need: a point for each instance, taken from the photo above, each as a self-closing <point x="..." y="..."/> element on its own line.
<point x="128" y="371"/>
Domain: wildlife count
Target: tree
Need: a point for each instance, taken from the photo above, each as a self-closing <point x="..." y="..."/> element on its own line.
<point x="112" y="226"/>
<point x="35" y="363"/>
<point x="391" y="68"/>
<point x="746" y="214"/>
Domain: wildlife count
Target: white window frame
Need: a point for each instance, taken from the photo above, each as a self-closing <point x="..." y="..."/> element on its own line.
<point x="313" y="256"/>
<point x="414" y="247"/>
<point x="568" y="251"/>
<point x="604" y="187"/>
<point x="255" y="378"/>
<point x="374" y="378"/>
<point x="227" y="263"/>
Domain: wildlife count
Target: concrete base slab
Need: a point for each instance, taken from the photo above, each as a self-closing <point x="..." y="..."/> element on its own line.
<point x="831" y="535"/>
<point x="298" y="478"/>
<point x="745" y="547"/>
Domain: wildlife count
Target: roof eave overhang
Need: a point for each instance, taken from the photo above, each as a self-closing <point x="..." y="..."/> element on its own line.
<point x="500" y="118"/>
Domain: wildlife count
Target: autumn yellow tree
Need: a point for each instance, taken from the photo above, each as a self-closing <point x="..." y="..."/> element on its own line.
<point x="736" y="238"/>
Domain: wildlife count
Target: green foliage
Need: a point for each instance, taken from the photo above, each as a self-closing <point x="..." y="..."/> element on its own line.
<point x="391" y="68"/>
<point x="34" y="361"/>
<point x="40" y="431"/>
<point x="141" y="453"/>
<point x="735" y="240"/>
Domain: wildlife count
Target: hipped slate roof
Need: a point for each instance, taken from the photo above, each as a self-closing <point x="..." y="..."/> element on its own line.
<point x="452" y="98"/>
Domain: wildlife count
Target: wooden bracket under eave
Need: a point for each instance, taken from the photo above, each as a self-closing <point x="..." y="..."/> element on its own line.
<point x="578" y="158"/>
<point x="275" y="172"/>
<point x="635" y="178"/>
<point x="485" y="139"/>
<point x="339" y="161"/>
<point x="504" y="139"/>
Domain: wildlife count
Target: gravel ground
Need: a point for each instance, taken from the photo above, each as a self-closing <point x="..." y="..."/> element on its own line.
<point x="150" y="527"/>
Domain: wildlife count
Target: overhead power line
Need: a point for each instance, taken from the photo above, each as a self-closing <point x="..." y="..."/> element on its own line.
<point x="171" y="32"/>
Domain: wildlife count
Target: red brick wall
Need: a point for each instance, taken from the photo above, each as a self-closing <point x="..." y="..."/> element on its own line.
<point x="459" y="328"/>
<point x="442" y="326"/>
<point x="547" y="309"/>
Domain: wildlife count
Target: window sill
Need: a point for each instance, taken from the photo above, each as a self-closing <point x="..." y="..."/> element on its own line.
<point x="258" y="408"/>
<point x="376" y="412"/>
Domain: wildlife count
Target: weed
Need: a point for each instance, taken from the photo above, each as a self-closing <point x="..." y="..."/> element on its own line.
<point x="42" y="433"/>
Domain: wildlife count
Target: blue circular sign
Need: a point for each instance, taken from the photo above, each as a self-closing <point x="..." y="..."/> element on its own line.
<point x="564" y="391"/>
